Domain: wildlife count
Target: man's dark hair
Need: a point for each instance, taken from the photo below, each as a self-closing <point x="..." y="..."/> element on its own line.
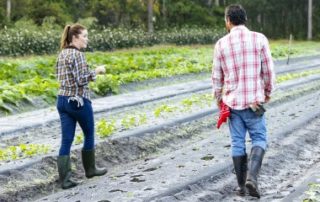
<point x="236" y="14"/>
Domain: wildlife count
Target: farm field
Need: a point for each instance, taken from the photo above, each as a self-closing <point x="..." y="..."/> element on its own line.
<point x="155" y="129"/>
<point x="29" y="83"/>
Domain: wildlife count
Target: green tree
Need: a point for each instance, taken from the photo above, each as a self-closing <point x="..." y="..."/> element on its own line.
<point x="193" y="12"/>
<point x="38" y="12"/>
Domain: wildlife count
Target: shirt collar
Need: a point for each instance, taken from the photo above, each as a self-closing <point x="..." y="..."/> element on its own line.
<point x="72" y="47"/>
<point x="238" y="27"/>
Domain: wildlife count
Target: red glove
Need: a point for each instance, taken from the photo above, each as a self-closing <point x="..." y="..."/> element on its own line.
<point x="223" y="114"/>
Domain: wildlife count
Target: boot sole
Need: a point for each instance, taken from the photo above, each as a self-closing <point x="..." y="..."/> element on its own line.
<point x="96" y="174"/>
<point x="241" y="193"/>
<point x="71" y="185"/>
<point x="252" y="189"/>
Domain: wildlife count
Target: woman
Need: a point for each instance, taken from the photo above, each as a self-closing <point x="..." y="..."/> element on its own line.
<point x="74" y="103"/>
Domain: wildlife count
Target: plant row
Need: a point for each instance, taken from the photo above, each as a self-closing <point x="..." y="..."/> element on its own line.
<point x="129" y="120"/>
<point x="22" y="80"/>
<point x="106" y="128"/>
<point x="16" y="42"/>
<point x="23" y="151"/>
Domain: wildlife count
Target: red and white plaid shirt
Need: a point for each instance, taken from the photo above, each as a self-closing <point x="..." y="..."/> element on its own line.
<point x="243" y="71"/>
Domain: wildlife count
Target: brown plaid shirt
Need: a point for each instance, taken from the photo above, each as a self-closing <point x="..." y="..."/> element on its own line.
<point x="73" y="73"/>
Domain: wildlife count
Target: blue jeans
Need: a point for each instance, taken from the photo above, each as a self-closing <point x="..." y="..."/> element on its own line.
<point x="242" y="121"/>
<point x="70" y="114"/>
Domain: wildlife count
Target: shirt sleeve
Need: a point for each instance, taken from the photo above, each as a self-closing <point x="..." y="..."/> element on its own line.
<point x="267" y="71"/>
<point x="217" y="73"/>
<point x="81" y="70"/>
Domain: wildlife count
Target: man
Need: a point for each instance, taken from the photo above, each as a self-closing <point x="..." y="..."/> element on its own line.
<point x="243" y="78"/>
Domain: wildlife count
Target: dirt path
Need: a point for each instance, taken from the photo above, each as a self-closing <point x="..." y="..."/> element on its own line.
<point x="200" y="169"/>
<point x="177" y="157"/>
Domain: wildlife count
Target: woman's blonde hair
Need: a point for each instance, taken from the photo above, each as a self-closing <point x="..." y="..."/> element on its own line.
<point x="68" y="32"/>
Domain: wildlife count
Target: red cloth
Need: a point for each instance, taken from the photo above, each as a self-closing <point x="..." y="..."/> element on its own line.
<point x="223" y="114"/>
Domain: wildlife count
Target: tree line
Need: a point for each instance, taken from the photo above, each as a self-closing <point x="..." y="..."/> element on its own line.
<point x="275" y="18"/>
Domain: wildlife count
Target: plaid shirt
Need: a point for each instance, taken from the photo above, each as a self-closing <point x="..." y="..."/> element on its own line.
<point x="73" y="73"/>
<point x="243" y="71"/>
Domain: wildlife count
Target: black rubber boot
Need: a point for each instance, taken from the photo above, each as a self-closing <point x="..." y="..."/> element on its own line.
<point x="89" y="164"/>
<point x="240" y="167"/>
<point x="255" y="162"/>
<point x="64" y="169"/>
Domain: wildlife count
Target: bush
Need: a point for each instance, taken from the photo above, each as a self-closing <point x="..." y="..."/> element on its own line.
<point x="16" y="42"/>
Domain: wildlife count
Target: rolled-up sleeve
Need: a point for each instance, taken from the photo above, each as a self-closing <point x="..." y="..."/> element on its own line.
<point x="81" y="70"/>
<point x="267" y="73"/>
<point x="217" y="73"/>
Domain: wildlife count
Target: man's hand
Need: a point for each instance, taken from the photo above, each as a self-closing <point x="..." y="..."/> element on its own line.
<point x="219" y="102"/>
<point x="267" y="99"/>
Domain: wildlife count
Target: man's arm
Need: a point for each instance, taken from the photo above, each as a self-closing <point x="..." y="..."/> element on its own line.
<point x="267" y="73"/>
<point x="217" y="75"/>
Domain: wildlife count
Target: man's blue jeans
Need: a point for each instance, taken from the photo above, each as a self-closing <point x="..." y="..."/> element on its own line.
<point x="240" y="122"/>
<point x="70" y="114"/>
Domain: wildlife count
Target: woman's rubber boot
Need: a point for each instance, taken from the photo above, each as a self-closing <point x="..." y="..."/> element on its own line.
<point x="255" y="162"/>
<point x="89" y="164"/>
<point x="240" y="167"/>
<point x="64" y="169"/>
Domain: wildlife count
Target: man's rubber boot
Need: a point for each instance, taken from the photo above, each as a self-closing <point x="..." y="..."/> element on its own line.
<point x="240" y="167"/>
<point x="255" y="162"/>
<point x="64" y="169"/>
<point x="89" y="164"/>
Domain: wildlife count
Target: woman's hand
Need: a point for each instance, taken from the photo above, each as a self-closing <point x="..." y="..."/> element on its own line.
<point x="100" y="69"/>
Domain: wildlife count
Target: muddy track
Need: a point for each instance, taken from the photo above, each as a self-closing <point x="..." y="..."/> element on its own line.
<point x="126" y="148"/>
<point x="291" y="155"/>
<point x="50" y="134"/>
<point x="200" y="168"/>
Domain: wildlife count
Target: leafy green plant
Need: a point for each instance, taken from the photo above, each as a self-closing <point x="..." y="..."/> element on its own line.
<point x="129" y="121"/>
<point x="291" y="76"/>
<point x="142" y="119"/>
<point x="164" y="108"/>
<point x="106" y="84"/>
<point x="23" y="151"/>
<point x="283" y="51"/>
<point x="79" y="138"/>
<point x="105" y="128"/>
<point x="200" y="100"/>
<point x="313" y="193"/>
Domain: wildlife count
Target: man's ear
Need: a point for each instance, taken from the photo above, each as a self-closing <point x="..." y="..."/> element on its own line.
<point x="228" y="21"/>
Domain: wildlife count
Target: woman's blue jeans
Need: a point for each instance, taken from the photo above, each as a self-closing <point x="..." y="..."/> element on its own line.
<point x="70" y="114"/>
<point x="242" y="121"/>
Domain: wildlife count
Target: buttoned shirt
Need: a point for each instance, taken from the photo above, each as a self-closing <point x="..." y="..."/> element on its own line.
<point x="73" y="73"/>
<point x="243" y="72"/>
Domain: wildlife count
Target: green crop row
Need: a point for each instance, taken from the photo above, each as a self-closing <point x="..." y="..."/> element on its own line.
<point x="106" y="128"/>
<point x="16" y="42"/>
<point x="22" y="151"/>
<point x="23" y="79"/>
<point x="313" y="193"/>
